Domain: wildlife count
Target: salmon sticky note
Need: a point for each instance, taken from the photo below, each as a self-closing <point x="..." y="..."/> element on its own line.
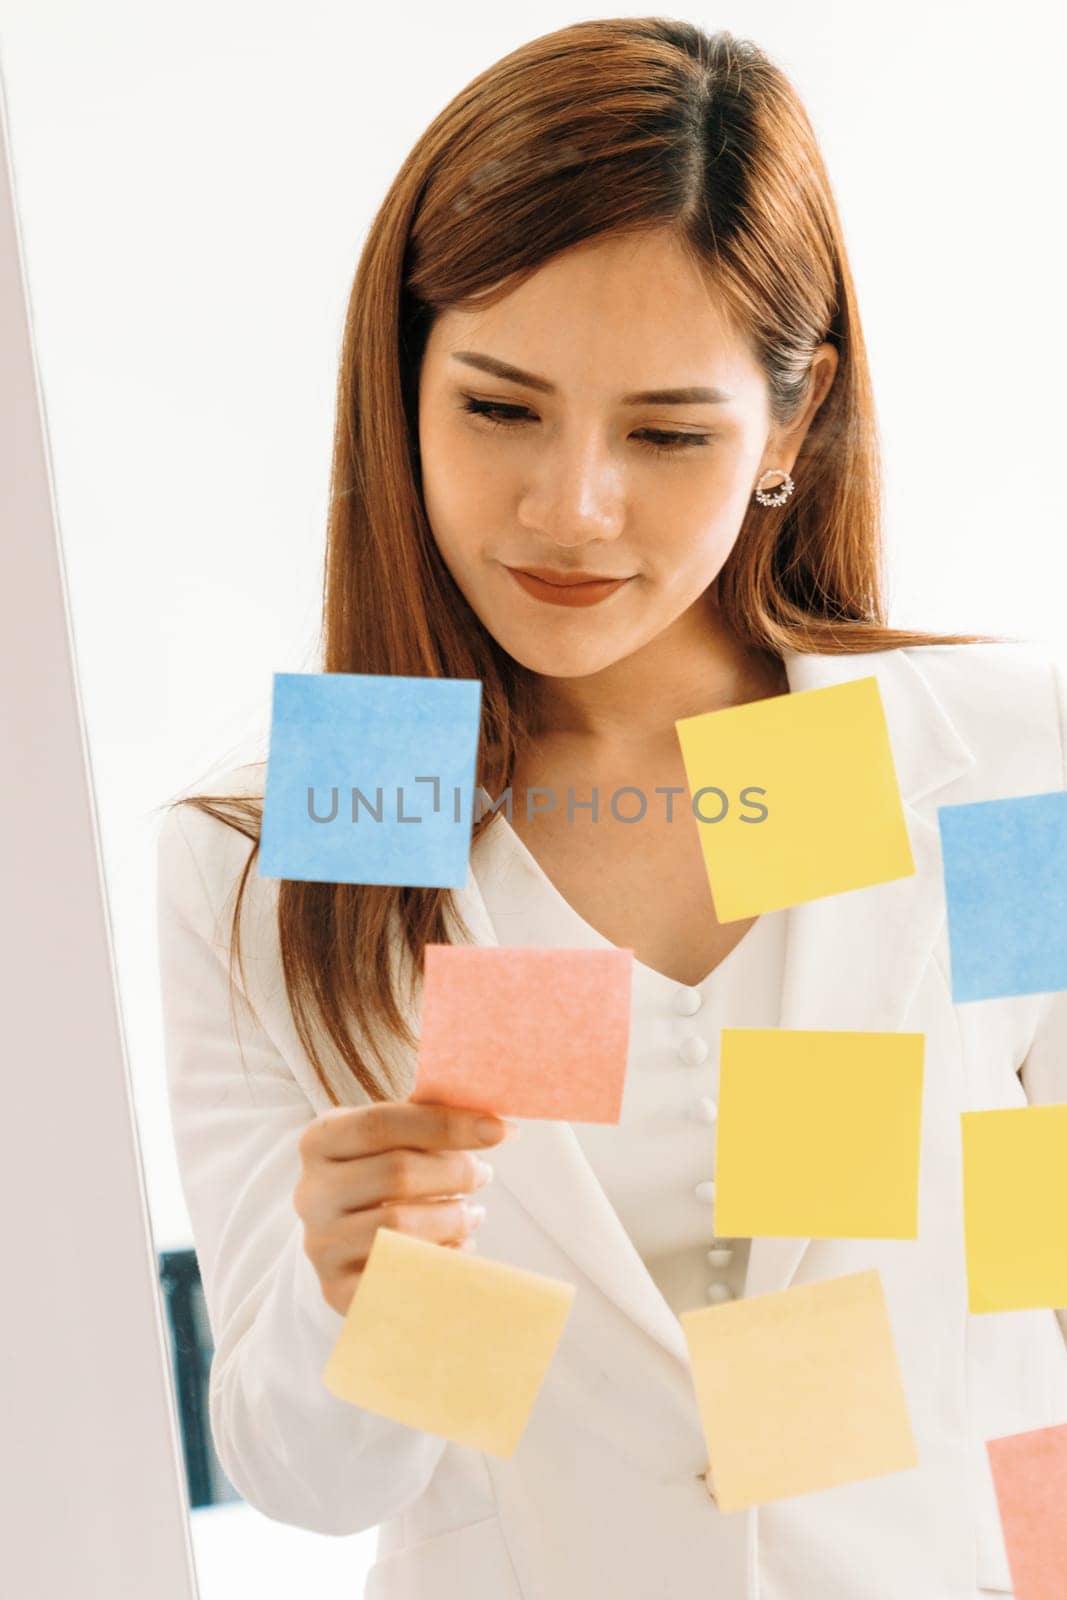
<point x="799" y="1390"/>
<point x="1030" y="1477"/>
<point x="525" y="1032"/>
<point x="448" y="1342"/>
<point x="1015" y="1207"/>
<point x="819" y="761"/>
<point x="818" y="1134"/>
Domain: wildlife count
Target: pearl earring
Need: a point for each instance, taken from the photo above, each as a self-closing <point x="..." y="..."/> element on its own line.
<point x="785" y="488"/>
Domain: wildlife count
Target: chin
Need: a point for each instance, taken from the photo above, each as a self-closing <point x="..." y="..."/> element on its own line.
<point x="567" y="644"/>
<point x="552" y="659"/>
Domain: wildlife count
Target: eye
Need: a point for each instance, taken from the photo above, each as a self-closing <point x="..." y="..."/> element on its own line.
<point x="496" y="412"/>
<point x="675" y="442"/>
<point x="660" y="442"/>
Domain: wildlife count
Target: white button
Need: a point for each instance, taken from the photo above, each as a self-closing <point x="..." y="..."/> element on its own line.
<point x="719" y="1292"/>
<point x="705" y="1110"/>
<point x="720" y="1256"/>
<point x="705" y="1191"/>
<point x="687" y="1001"/>
<point x="693" y="1050"/>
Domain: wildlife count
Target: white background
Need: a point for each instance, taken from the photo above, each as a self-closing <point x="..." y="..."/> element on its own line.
<point x="193" y="187"/>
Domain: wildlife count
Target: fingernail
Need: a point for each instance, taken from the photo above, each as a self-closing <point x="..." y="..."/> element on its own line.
<point x="475" y="1214"/>
<point x="482" y="1172"/>
<point x="488" y="1129"/>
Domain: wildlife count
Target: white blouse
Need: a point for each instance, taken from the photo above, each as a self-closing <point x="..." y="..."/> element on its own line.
<point x="656" y="1165"/>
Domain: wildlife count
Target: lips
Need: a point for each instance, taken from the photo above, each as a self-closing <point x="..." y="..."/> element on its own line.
<point x="566" y="580"/>
<point x="576" y="589"/>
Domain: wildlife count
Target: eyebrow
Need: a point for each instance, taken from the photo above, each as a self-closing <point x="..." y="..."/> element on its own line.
<point x="692" y="394"/>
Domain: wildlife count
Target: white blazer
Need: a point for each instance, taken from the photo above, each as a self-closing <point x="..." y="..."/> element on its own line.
<point x="605" y="1493"/>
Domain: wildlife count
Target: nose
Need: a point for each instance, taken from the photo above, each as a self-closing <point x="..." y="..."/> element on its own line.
<point x="576" y="494"/>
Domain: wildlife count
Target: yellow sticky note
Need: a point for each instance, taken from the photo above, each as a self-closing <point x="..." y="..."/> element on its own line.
<point x="1015" y="1208"/>
<point x="448" y="1342"/>
<point x="799" y="1390"/>
<point x="818" y="1134"/>
<point x="819" y="762"/>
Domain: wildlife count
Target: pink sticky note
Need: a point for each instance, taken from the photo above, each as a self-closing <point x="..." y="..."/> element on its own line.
<point x="525" y="1032"/>
<point x="1030" y="1475"/>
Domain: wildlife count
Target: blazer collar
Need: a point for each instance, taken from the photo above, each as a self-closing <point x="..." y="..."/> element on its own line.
<point x="852" y="961"/>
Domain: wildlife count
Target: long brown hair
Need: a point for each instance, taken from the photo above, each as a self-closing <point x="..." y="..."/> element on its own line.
<point x="624" y="124"/>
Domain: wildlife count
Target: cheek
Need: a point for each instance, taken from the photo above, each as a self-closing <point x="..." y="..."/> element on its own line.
<point x="484" y="493"/>
<point x="699" y="519"/>
<point x="458" y="491"/>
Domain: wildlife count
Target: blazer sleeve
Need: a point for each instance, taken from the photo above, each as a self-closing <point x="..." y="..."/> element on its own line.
<point x="291" y="1448"/>
<point x="1044" y="1069"/>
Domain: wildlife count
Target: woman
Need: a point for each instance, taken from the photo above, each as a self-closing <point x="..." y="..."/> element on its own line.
<point x="603" y="328"/>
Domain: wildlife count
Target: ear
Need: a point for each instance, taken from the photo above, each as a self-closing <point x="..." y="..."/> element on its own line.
<point x="783" y="445"/>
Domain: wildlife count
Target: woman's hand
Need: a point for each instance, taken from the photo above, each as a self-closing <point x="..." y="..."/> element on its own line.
<point x="393" y="1164"/>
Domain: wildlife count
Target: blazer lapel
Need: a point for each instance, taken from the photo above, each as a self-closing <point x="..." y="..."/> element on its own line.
<point x="548" y="1172"/>
<point x="852" y="961"/>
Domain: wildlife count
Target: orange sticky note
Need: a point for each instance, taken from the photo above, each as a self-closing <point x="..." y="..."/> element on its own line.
<point x="1030" y="1477"/>
<point x="1015" y="1207"/>
<point x="795" y="797"/>
<point x="448" y="1342"/>
<point x="799" y="1390"/>
<point x="818" y="1134"/>
<point x="525" y="1032"/>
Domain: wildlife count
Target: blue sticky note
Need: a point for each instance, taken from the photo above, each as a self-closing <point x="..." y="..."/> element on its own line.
<point x="1005" y="865"/>
<point x="370" y="779"/>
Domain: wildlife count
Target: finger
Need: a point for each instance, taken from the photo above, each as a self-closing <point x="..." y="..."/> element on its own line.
<point x="348" y="1131"/>
<point x="339" y="1186"/>
<point x="437" y="1222"/>
<point x="413" y="1175"/>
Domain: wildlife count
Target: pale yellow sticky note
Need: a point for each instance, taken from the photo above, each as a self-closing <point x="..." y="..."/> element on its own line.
<point x="448" y="1342"/>
<point x="799" y="1390"/>
<point x="1015" y="1208"/>
<point x="818" y="1134"/>
<point x="820" y="763"/>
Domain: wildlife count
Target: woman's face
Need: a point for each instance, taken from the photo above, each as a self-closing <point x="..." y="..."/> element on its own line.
<point x="604" y="419"/>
